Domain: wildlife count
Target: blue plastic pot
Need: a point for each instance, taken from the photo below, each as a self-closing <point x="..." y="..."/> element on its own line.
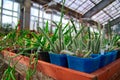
<point x="107" y="58"/>
<point x="58" y="59"/>
<point x="87" y="65"/>
<point x="113" y="55"/>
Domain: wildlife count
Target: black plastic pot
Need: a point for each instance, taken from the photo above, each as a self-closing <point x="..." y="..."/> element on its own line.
<point x="118" y="54"/>
<point x="15" y="51"/>
<point x="44" y="56"/>
<point x="28" y="52"/>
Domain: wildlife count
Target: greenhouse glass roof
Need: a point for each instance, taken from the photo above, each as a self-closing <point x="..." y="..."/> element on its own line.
<point x="110" y="12"/>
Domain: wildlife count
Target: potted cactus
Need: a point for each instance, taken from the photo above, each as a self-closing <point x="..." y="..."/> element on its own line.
<point x="86" y="44"/>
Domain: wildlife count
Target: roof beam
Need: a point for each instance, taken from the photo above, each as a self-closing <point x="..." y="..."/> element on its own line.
<point x="97" y="8"/>
<point x="114" y="22"/>
<point x="19" y="1"/>
<point x="67" y="11"/>
<point x="58" y="7"/>
<point x="42" y="2"/>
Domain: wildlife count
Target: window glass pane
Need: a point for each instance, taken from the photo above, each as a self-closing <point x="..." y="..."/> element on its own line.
<point x="113" y="9"/>
<point x="16" y="6"/>
<point x="36" y="5"/>
<point x="40" y="13"/>
<point x="31" y="25"/>
<point x="47" y="16"/>
<point x="68" y="2"/>
<point x="58" y="1"/>
<point x="74" y="6"/>
<point x="15" y="14"/>
<point x="40" y="24"/>
<point x="56" y="18"/>
<point x="34" y="11"/>
<point x="40" y="20"/>
<point x="15" y="21"/>
<point x="7" y="19"/>
<point x="53" y="28"/>
<point x="7" y="4"/>
<point x="34" y="18"/>
<point x="77" y="25"/>
<point x="96" y="1"/>
<point x="80" y="2"/>
<point x="7" y="12"/>
<point x="65" y="21"/>
<point x="0" y="2"/>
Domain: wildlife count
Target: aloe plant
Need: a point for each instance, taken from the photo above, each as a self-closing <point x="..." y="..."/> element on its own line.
<point x="112" y="39"/>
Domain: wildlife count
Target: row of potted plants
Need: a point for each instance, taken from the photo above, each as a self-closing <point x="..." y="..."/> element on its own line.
<point x="77" y="51"/>
<point x="80" y="50"/>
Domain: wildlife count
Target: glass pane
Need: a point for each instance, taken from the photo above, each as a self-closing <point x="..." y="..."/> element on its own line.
<point x="40" y="24"/>
<point x="79" y="2"/>
<point x="15" y="14"/>
<point x="34" y="18"/>
<point x="113" y="9"/>
<point x="87" y="6"/>
<point x="100" y="17"/>
<point x="34" y="11"/>
<point x="31" y="25"/>
<point x="6" y="19"/>
<point x="116" y="16"/>
<point x="41" y="12"/>
<point x="16" y="6"/>
<point x="56" y="18"/>
<point x="36" y="5"/>
<point x="53" y="28"/>
<point x="96" y="1"/>
<point x="7" y="4"/>
<point x="58" y="1"/>
<point x="7" y="12"/>
<point x="77" y="25"/>
<point x="15" y="21"/>
<point x="74" y="6"/>
<point x="67" y="2"/>
<point x="47" y="16"/>
<point x="0" y="2"/>
<point x="65" y="21"/>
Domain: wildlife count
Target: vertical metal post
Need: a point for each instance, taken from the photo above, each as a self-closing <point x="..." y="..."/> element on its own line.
<point x="1" y="12"/>
<point x="27" y="8"/>
<point x="51" y="22"/>
<point x="21" y="15"/>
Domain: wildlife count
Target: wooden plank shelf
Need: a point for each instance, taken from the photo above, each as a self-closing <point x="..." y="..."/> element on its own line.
<point x="60" y="73"/>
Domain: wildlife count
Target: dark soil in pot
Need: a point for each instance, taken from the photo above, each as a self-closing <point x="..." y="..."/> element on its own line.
<point x="118" y="54"/>
<point x="27" y="53"/>
<point x="44" y="56"/>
